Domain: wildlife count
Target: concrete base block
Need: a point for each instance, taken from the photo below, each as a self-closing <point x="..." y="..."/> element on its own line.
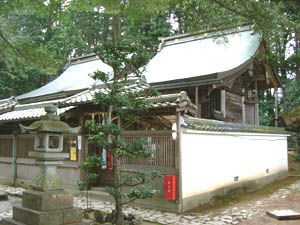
<point x="52" y="200"/>
<point x="53" y="217"/>
<point x="3" y="196"/>
<point x="284" y="214"/>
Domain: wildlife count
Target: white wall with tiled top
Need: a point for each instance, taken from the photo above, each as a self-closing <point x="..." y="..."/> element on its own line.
<point x="213" y="160"/>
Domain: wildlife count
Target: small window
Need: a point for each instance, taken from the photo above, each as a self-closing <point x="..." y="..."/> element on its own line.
<point x="213" y="104"/>
<point x="53" y="141"/>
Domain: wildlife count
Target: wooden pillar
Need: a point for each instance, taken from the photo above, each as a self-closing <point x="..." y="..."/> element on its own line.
<point x="14" y="158"/>
<point x="197" y="101"/>
<point x="223" y="102"/>
<point x="84" y="148"/>
<point x="276" y="107"/>
<point x="178" y="162"/>
<point x="284" y="97"/>
<point x="256" y="114"/>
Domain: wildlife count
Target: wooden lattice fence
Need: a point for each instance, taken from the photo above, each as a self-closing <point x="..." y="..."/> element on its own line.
<point x="162" y="144"/>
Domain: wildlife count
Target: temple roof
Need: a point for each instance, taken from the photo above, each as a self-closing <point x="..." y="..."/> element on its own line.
<point x="202" y="54"/>
<point x="75" y="77"/>
<point x="204" y="58"/>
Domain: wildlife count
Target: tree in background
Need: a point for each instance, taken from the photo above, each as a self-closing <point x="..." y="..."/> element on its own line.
<point x="128" y="43"/>
<point x="25" y="57"/>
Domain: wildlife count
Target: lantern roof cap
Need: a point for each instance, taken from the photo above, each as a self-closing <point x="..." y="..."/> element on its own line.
<point x="49" y="123"/>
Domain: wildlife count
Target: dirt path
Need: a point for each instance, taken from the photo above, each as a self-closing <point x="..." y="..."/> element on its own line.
<point x="249" y="208"/>
<point x="285" y="198"/>
<point x="289" y="201"/>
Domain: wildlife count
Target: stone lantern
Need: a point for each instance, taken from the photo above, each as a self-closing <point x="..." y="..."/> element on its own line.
<point x="48" y="146"/>
<point x="47" y="202"/>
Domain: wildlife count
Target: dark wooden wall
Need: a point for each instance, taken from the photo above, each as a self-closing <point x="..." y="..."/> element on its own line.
<point x="234" y="107"/>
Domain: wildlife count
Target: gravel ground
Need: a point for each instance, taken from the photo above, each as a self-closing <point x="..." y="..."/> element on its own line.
<point x="250" y="212"/>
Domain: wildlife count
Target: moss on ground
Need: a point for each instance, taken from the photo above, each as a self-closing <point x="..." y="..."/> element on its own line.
<point x="294" y="165"/>
<point x="243" y="195"/>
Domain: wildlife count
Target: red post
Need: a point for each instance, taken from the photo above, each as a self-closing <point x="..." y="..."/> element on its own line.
<point x="109" y="161"/>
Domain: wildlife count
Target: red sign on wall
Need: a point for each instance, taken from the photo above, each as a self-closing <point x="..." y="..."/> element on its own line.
<point x="170" y="187"/>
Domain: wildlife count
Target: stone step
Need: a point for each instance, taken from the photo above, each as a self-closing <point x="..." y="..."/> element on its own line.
<point x="99" y="193"/>
<point x="43" y="201"/>
<point x="8" y="221"/>
<point x="100" y="189"/>
<point x="52" y="217"/>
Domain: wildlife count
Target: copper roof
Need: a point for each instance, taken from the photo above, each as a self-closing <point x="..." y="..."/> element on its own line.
<point x="203" y="54"/>
<point x="75" y="77"/>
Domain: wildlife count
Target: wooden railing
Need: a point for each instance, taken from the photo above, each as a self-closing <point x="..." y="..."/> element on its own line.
<point x="25" y="144"/>
<point x="162" y="145"/>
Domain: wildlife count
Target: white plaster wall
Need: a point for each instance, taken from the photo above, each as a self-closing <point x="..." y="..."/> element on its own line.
<point x="211" y="160"/>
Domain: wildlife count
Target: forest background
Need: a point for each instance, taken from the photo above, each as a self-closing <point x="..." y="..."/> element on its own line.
<point x="37" y="37"/>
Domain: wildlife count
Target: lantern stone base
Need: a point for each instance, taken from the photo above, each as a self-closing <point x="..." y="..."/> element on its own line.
<point x="50" y="200"/>
<point x="45" y="208"/>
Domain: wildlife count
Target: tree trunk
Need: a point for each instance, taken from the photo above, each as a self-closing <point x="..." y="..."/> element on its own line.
<point x="119" y="219"/>
<point x="297" y="40"/>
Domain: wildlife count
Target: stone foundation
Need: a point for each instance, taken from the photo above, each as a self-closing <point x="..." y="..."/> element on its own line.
<point x="45" y="208"/>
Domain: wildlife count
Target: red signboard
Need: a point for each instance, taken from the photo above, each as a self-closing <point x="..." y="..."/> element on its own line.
<point x="170" y="187"/>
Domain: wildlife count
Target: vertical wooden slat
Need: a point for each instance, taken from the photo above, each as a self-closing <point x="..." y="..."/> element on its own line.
<point x="164" y="154"/>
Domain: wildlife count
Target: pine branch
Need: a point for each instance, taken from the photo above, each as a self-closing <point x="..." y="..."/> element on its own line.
<point x="15" y="49"/>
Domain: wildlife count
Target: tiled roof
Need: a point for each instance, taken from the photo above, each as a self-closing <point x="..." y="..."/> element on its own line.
<point x="169" y="100"/>
<point x="161" y="101"/>
<point x="87" y="96"/>
<point x="215" y="125"/>
<point x="35" y="111"/>
<point x="31" y="111"/>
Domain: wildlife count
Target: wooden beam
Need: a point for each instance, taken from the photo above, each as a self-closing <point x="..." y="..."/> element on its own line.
<point x="165" y="123"/>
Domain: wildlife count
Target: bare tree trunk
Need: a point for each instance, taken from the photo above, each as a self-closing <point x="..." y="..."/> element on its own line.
<point x="119" y="219"/>
<point x="297" y="40"/>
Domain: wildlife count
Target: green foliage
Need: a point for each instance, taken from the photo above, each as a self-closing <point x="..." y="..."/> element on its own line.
<point x="135" y="186"/>
<point x="124" y="104"/>
<point x="91" y="163"/>
<point x="292" y="92"/>
<point x="267" y="108"/>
